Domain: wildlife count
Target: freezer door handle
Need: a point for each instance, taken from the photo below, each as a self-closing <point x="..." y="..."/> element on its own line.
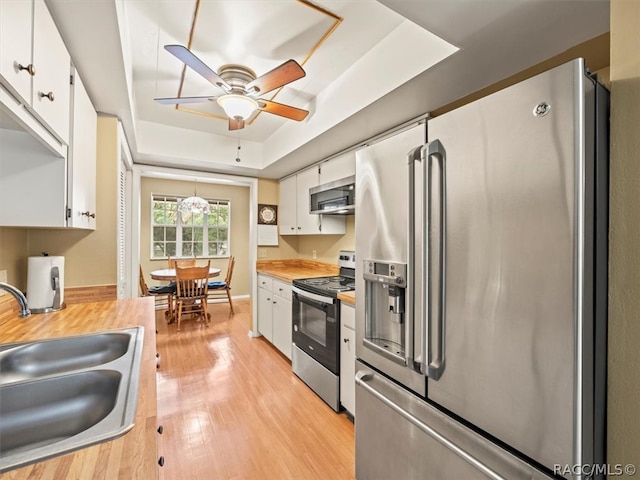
<point x="415" y="359"/>
<point x="433" y="254"/>
<point x="362" y="376"/>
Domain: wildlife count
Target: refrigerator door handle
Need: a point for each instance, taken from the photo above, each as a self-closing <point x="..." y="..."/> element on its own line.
<point x="361" y="379"/>
<point x="415" y="360"/>
<point x="433" y="286"/>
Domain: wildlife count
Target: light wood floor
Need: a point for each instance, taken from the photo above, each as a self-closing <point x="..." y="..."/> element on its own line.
<point x="232" y="409"/>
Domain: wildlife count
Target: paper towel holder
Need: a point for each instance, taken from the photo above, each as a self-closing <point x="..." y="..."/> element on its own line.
<point x="55" y="286"/>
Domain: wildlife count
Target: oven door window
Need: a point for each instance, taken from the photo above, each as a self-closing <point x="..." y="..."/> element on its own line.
<point x="313" y="320"/>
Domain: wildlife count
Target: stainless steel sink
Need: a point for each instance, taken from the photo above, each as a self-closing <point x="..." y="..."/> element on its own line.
<point x="61" y="355"/>
<point x="60" y="395"/>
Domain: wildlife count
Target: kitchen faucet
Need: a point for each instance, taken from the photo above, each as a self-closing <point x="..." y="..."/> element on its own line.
<point x="20" y="298"/>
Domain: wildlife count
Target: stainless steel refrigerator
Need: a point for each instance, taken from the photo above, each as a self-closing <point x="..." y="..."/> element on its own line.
<point x="481" y="288"/>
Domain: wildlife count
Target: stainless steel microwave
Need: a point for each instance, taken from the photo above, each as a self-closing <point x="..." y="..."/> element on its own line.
<point x="334" y="198"/>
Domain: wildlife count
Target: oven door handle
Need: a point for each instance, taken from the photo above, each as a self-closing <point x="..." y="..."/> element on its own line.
<point x="313" y="296"/>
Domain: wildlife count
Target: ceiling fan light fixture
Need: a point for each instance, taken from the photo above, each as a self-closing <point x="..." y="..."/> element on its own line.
<point x="237" y="105"/>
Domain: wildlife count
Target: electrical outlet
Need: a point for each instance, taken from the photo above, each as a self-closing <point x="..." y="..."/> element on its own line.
<point x="314" y="254"/>
<point x="3" y="278"/>
<point x="262" y="252"/>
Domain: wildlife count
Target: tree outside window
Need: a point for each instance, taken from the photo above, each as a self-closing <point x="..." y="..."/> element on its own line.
<point x="178" y="234"/>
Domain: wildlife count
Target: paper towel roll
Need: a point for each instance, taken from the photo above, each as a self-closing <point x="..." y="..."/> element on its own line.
<point x="40" y="286"/>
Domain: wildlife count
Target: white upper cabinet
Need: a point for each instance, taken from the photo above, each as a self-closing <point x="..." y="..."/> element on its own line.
<point x="82" y="160"/>
<point x="307" y="223"/>
<point x="51" y="82"/>
<point x="338" y="168"/>
<point x="35" y="65"/>
<point x="294" y="216"/>
<point x="16" y="18"/>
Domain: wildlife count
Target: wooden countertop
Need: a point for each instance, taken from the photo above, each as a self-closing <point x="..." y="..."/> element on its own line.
<point x="348" y="298"/>
<point x="288" y="270"/>
<point x="132" y="456"/>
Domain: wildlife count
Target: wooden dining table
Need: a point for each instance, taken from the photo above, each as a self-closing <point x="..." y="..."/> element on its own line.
<point x="169" y="274"/>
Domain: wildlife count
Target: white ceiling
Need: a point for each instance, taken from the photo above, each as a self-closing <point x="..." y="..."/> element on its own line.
<point x="380" y="66"/>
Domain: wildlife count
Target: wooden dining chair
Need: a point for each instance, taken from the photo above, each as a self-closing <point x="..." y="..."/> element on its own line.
<point x="222" y="289"/>
<point x="181" y="262"/>
<point x="191" y="292"/>
<point x="156" y="291"/>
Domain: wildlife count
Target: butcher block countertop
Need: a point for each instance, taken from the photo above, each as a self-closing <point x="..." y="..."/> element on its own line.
<point x="348" y="298"/>
<point x="132" y="456"/>
<point x="288" y="270"/>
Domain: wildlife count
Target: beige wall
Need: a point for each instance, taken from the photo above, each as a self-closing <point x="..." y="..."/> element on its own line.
<point x="287" y="245"/>
<point x="624" y="235"/>
<point x="239" y="198"/>
<point x="13" y="255"/>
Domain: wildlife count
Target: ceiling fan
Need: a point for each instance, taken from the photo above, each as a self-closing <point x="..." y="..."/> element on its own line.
<point x="241" y="88"/>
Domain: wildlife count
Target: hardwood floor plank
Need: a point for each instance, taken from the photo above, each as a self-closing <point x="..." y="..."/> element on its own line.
<point x="232" y="408"/>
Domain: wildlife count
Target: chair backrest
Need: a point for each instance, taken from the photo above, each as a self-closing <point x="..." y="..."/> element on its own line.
<point x="192" y="282"/>
<point x="227" y="278"/>
<point x="181" y="262"/>
<point x="143" y="285"/>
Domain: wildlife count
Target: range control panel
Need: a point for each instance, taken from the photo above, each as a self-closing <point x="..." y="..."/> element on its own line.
<point x="347" y="259"/>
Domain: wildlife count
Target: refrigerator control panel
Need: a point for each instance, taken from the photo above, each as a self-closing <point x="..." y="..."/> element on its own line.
<point x="385" y="272"/>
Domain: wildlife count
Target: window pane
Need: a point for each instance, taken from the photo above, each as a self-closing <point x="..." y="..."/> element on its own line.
<point x="187" y="249"/>
<point x="213" y="234"/>
<point x="187" y="234"/>
<point x="158" y="212"/>
<point x="171" y="233"/>
<point x="224" y="214"/>
<point x="198" y="219"/>
<point x="158" y="234"/>
<point x="158" y="250"/>
<point x="170" y="249"/>
<point x="223" y="249"/>
<point x="197" y="248"/>
<point x="198" y="233"/>
<point x="213" y="248"/>
<point x="172" y="213"/>
<point x="186" y="218"/>
<point x="223" y="234"/>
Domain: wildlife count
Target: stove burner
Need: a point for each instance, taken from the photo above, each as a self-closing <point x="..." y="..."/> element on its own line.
<point x="335" y="279"/>
<point x="339" y="288"/>
<point x="351" y="285"/>
<point x="316" y="281"/>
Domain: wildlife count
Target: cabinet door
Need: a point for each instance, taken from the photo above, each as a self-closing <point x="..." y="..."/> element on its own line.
<point x="338" y="168"/>
<point x="82" y="160"/>
<point x="282" y="325"/>
<point x="307" y="223"/>
<point x="51" y="83"/>
<point x="265" y="313"/>
<point x="287" y="221"/>
<point x="347" y="369"/>
<point x="16" y="17"/>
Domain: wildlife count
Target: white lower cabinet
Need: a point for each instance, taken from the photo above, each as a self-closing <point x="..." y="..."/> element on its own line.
<point x="348" y="358"/>
<point x="274" y="312"/>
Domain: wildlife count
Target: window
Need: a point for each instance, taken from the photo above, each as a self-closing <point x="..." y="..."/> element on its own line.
<point x="177" y="234"/>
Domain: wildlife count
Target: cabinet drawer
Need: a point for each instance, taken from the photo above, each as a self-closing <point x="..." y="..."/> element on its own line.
<point x="282" y="289"/>
<point x="265" y="282"/>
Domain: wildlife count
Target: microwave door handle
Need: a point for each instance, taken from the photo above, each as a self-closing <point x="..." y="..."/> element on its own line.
<point x="433" y="286"/>
<point x="414" y="359"/>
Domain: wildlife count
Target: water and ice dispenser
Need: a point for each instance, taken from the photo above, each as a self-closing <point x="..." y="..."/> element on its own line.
<point x="385" y="287"/>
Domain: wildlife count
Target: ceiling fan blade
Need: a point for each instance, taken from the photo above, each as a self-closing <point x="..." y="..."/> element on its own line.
<point x="283" y="110"/>
<point x="236" y="123"/>
<point x="188" y="58"/>
<point x="177" y="100"/>
<point x="276" y="78"/>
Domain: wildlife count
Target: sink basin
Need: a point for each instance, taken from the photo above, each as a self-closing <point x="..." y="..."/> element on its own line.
<point x="45" y="411"/>
<point x="61" y="355"/>
<point x="60" y="395"/>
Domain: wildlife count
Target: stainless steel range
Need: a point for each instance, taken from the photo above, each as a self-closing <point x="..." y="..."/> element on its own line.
<point x="316" y="329"/>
